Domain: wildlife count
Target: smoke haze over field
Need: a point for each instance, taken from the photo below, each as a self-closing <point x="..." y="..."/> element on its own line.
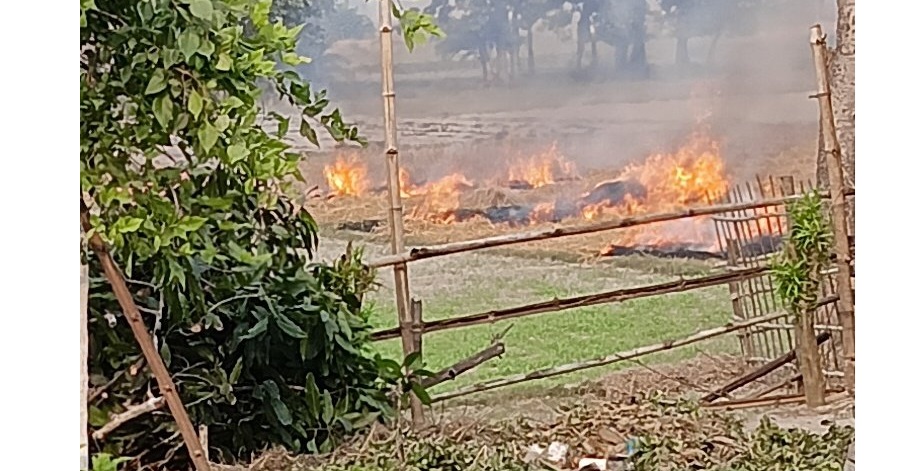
<point x="753" y="97"/>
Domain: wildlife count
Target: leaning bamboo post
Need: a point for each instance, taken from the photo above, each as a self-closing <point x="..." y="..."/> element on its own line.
<point x="759" y="372"/>
<point x="396" y="212"/>
<point x="144" y="339"/>
<point x="84" y="367"/>
<point x="846" y="304"/>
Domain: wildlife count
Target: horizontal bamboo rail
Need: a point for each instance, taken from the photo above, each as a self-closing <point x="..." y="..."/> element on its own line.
<point x="553" y="233"/>
<point x="556" y="304"/>
<point x="616" y="357"/>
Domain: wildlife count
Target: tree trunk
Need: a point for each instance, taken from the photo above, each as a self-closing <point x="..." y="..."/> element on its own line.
<point x="842" y="70"/>
<point x="530" y="52"/>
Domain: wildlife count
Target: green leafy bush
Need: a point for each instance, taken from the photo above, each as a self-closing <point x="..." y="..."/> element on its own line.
<point x="189" y="182"/>
<point x="807" y="249"/>
<point x="106" y="462"/>
<point x="192" y="193"/>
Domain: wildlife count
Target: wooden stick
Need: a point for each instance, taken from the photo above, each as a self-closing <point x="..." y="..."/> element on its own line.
<point x="760" y="402"/>
<point x="118" y="420"/>
<point x="616" y="357"/>
<point x="84" y="373"/>
<point x="758" y="373"/>
<point x="775" y="387"/>
<point x="846" y="304"/>
<point x="555" y="232"/>
<point x="467" y="364"/>
<point x="555" y="305"/>
<point x="396" y="213"/>
<point x="143" y="337"/>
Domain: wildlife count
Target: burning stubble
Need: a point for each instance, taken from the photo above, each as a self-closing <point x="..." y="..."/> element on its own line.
<point x="545" y="187"/>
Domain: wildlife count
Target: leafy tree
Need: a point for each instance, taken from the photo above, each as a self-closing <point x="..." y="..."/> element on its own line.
<point x="189" y="183"/>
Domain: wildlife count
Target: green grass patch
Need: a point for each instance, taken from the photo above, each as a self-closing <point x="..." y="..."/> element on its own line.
<point x="564" y="337"/>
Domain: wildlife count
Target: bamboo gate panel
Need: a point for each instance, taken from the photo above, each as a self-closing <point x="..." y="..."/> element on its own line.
<point x="750" y="238"/>
<point x="750" y="225"/>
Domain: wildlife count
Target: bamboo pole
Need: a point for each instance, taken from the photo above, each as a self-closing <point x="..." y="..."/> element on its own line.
<point x="555" y="232"/>
<point x="616" y="357"/>
<point x="396" y="213"/>
<point x="84" y="358"/>
<point x="556" y="304"/>
<point x="744" y="335"/>
<point x="758" y="373"/>
<point x="846" y="304"/>
<point x="452" y="372"/>
<point x="143" y="337"/>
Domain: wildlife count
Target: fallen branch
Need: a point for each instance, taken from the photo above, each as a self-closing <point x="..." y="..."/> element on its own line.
<point x="133" y="412"/>
<point x="555" y="232"/>
<point x="555" y="305"/>
<point x="760" y="372"/>
<point x="630" y="354"/>
<point x="467" y="364"/>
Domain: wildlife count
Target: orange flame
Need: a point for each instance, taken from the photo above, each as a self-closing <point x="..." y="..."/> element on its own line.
<point x="346" y="176"/>
<point x="442" y="197"/>
<point x="692" y="175"/>
<point x="541" y="169"/>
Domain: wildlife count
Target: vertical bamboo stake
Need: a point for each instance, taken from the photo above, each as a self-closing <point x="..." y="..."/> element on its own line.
<point x="846" y="304"/>
<point x="144" y="339"/>
<point x="809" y="358"/>
<point x="396" y="213"/>
<point x="744" y="335"/>
<point x="84" y="357"/>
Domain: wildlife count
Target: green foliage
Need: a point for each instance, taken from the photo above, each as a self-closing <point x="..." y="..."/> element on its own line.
<point x="693" y="438"/>
<point x="189" y="182"/>
<point x="807" y="250"/>
<point x="106" y="462"/>
<point x="772" y="448"/>
<point x="415" y="26"/>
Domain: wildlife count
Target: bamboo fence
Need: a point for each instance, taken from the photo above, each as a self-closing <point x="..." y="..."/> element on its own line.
<point x="756" y="296"/>
<point x="606" y="360"/>
<point x="742" y="222"/>
<point x="558" y="305"/>
<point x="421" y="253"/>
<point x="750" y="223"/>
<point x="833" y="154"/>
